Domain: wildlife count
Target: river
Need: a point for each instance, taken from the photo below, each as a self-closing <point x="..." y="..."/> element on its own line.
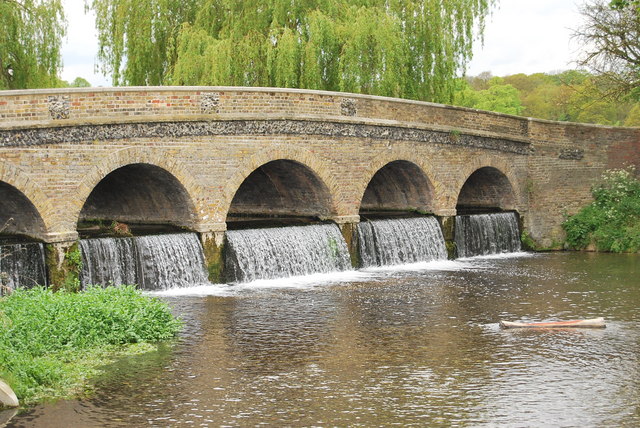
<point x="415" y="345"/>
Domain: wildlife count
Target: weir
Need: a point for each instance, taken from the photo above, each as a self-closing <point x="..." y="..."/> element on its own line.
<point x="22" y="265"/>
<point x="153" y="262"/>
<point x="484" y="234"/>
<point x="157" y="262"/>
<point x="400" y="241"/>
<point x="282" y="252"/>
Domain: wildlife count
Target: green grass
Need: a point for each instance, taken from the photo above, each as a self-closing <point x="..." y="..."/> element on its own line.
<point x="612" y="221"/>
<point x="52" y="343"/>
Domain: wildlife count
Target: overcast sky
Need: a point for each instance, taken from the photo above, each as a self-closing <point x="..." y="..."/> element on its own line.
<point x="521" y="36"/>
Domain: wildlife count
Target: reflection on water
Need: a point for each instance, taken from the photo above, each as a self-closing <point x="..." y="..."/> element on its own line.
<point x="411" y="347"/>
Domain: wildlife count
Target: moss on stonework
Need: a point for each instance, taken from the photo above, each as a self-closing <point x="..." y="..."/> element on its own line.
<point x="214" y="258"/>
<point x="65" y="264"/>
<point x="349" y="233"/>
<point x="452" y="250"/>
<point x="448" y="224"/>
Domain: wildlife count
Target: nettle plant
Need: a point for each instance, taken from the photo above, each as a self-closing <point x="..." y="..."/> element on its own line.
<point x="612" y="221"/>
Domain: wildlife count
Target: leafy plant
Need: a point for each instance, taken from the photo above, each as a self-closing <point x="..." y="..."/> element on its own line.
<point x="51" y="342"/>
<point x="612" y="221"/>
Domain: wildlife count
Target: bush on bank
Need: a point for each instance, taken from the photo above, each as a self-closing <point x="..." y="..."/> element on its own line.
<point x="612" y="221"/>
<point x="51" y="343"/>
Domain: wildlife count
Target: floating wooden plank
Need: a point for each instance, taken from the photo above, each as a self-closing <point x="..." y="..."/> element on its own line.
<point x="588" y="323"/>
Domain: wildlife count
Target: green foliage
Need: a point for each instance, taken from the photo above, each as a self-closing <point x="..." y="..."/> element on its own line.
<point x="527" y="241"/>
<point x="612" y="221"/>
<point x="572" y="95"/>
<point x="50" y="342"/>
<point x="405" y="48"/>
<point x="137" y="39"/>
<point x="619" y="4"/>
<point x="64" y="276"/>
<point x="31" y="33"/>
<point x="633" y="118"/>
<point x="80" y="82"/>
<point x="499" y="96"/>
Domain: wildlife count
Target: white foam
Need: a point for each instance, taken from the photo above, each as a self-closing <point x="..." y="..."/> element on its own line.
<point x="514" y="255"/>
<point x="333" y="278"/>
<point x="448" y="265"/>
<point x="294" y="282"/>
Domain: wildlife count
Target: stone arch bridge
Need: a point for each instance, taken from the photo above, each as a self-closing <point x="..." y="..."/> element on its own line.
<point x="210" y="158"/>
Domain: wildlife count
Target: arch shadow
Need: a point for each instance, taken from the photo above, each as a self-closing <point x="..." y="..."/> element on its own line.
<point x="24" y="208"/>
<point x="399" y="187"/>
<point x="486" y="190"/>
<point x="139" y="194"/>
<point x="280" y="190"/>
<point x="18" y="215"/>
<point x="299" y="182"/>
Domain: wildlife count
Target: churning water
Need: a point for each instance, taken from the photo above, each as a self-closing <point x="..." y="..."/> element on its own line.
<point x="400" y="241"/>
<point x="483" y="234"/>
<point x="283" y="252"/>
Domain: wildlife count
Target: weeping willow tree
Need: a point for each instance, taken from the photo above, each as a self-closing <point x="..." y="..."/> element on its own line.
<point x="136" y="38"/>
<point x="404" y="48"/>
<point x="31" y="32"/>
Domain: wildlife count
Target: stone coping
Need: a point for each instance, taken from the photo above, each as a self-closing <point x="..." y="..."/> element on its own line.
<point x="195" y="89"/>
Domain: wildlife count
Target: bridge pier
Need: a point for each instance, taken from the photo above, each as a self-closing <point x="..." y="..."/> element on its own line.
<point x="64" y="263"/>
<point x="448" y="226"/>
<point x="348" y="225"/>
<point x="213" y="240"/>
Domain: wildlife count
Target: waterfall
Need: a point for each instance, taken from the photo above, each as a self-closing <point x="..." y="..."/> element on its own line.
<point x="285" y="251"/>
<point x="400" y="241"/>
<point x="170" y="261"/>
<point x="151" y="262"/>
<point x="483" y="234"/>
<point x="22" y="265"/>
<point x="108" y="261"/>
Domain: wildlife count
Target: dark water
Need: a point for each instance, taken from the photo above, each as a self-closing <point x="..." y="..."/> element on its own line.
<point x="413" y="347"/>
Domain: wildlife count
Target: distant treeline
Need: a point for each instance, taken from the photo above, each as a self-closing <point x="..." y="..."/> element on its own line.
<point x="572" y="96"/>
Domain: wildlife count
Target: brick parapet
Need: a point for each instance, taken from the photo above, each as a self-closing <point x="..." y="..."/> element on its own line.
<point x="56" y="107"/>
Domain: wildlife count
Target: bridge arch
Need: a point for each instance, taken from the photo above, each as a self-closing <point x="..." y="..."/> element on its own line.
<point x="24" y="208"/>
<point x="135" y="186"/>
<point x="282" y="182"/>
<point x="400" y="180"/>
<point x="487" y="185"/>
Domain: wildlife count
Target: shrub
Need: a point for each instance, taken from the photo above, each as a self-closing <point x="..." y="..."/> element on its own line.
<point x="612" y="220"/>
<point x="51" y="342"/>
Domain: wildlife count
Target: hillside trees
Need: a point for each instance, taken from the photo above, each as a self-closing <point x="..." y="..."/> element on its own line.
<point x="405" y="48"/>
<point x="567" y="96"/>
<point x="498" y="96"/>
<point x="31" y="32"/>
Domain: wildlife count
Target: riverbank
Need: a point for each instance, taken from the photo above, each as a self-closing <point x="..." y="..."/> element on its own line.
<point x="51" y="344"/>
<point x="611" y="222"/>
